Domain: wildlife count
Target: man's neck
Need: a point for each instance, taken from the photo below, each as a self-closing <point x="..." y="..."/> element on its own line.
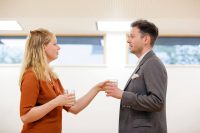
<point x="144" y="52"/>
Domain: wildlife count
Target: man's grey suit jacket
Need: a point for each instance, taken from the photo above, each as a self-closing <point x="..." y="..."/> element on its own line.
<point x="143" y="104"/>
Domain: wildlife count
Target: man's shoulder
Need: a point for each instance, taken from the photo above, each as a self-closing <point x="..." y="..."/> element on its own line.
<point x="154" y="62"/>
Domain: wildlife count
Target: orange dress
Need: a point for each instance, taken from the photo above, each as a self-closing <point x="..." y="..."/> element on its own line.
<point x="36" y="92"/>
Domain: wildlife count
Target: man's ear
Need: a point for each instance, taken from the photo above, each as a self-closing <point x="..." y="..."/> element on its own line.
<point x="147" y="39"/>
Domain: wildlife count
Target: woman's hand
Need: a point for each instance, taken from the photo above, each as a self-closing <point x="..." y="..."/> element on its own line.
<point x="101" y="86"/>
<point x="67" y="100"/>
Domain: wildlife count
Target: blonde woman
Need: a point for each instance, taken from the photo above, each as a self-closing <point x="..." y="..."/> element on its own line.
<point x="42" y="95"/>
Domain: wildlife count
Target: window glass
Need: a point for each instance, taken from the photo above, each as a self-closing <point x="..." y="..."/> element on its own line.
<point x="75" y="50"/>
<point x="175" y="50"/>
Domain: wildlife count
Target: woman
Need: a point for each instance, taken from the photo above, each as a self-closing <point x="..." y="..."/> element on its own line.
<point x="42" y="95"/>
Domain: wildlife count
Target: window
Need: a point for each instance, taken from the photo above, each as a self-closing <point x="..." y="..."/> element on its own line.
<point x="75" y="50"/>
<point x="176" y="50"/>
<point x="11" y="49"/>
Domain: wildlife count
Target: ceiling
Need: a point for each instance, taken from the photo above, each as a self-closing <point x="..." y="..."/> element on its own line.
<point x="80" y="16"/>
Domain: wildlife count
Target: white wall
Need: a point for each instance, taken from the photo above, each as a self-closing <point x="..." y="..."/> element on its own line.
<point x="101" y="116"/>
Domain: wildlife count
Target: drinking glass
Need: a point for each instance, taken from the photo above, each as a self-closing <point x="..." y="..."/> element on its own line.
<point x="69" y="91"/>
<point x="114" y="82"/>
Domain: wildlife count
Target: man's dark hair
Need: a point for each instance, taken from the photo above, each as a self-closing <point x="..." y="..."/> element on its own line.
<point x="147" y="28"/>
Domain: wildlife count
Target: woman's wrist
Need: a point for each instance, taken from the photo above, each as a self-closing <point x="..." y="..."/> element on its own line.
<point x="96" y="89"/>
<point x="55" y="102"/>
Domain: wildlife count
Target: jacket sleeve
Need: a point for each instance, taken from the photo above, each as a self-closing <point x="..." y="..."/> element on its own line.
<point x="155" y="78"/>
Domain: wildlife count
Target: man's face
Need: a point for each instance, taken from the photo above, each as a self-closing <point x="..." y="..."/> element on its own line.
<point x="136" y="42"/>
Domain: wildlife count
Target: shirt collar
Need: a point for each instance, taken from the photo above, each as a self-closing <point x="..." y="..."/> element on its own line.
<point x="141" y="57"/>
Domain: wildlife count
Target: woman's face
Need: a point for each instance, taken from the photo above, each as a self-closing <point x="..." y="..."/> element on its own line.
<point x="52" y="49"/>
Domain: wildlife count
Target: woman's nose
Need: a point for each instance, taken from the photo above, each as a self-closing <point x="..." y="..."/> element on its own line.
<point x="58" y="47"/>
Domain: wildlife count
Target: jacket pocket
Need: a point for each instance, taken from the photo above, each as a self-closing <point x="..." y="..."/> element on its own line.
<point x="142" y="123"/>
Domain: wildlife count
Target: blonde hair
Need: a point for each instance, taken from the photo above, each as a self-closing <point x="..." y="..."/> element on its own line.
<point x="35" y="57"/>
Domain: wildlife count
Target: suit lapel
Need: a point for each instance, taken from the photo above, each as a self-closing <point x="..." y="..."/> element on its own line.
<point x="147" y="56"/>
<point x="135" y="71"/>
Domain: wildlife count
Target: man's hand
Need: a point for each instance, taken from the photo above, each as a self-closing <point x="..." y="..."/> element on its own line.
<point x="113" y="91"/>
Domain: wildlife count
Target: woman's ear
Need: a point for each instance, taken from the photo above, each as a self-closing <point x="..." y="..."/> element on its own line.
<point x="44" y="47"/>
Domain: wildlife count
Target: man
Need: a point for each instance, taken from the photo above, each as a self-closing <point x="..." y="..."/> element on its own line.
<point x="143" y="101"/>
